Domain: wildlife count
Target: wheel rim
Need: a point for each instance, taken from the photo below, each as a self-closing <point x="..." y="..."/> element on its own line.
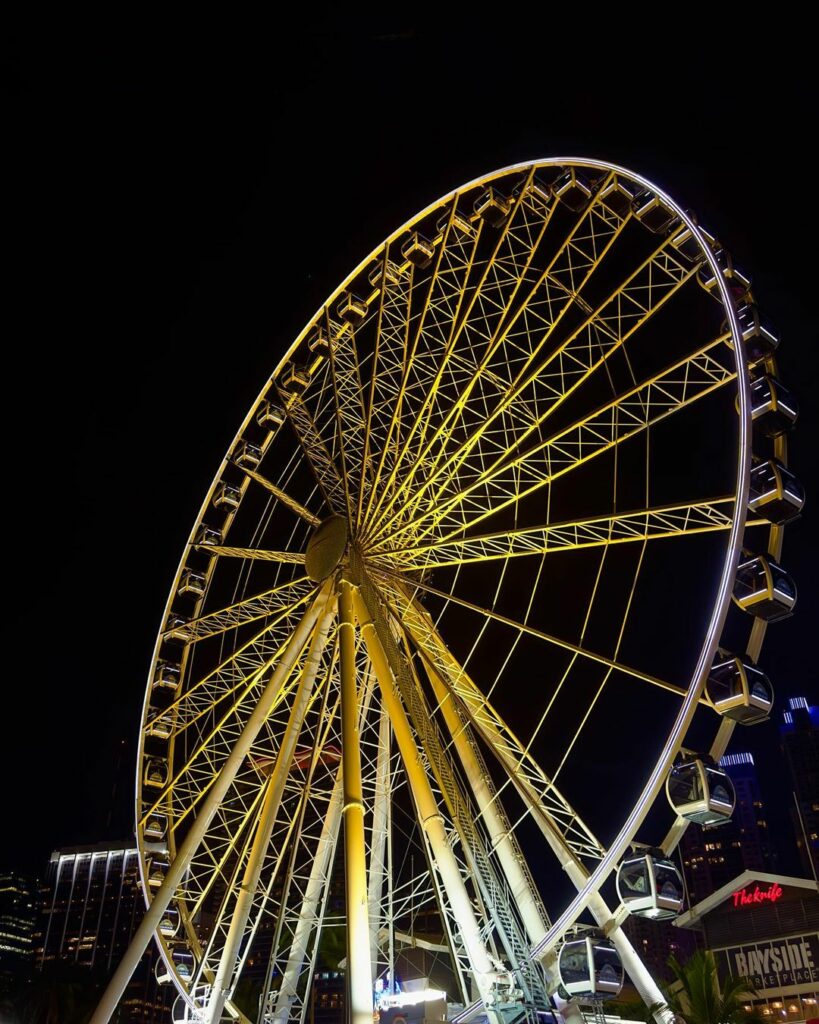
<point x="457" y="464"/>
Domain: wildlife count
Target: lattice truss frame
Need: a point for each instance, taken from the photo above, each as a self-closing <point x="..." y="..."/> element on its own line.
<point x="494" y="350"/>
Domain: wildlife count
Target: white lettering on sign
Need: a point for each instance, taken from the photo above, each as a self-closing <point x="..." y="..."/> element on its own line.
<point x="772" y="964"/>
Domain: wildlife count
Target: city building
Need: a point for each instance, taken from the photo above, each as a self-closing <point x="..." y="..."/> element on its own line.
<point x="328" y="997"/>
<point x="19" y="907"/>
<point x="656" y="941"/>
<point x="799" y="738"/>
<point x="92" y="905"/>
<point x="713" y="856"/>
<point x="765" y="928"/>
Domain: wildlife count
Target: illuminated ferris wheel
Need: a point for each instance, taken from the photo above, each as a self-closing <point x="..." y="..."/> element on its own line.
<point x="466" y="595"/>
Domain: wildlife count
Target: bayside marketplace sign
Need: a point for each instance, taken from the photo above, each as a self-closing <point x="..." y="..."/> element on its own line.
<point x="774" y="965"/>
<point x="764" y="929"/>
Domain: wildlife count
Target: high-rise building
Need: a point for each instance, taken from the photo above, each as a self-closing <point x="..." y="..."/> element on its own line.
<point x="19" y="906"/>
<point x="656" y="941"/>
<point x="799" y="737"/>
<point x="92" y="905"/>
<point x="712" y="856"/>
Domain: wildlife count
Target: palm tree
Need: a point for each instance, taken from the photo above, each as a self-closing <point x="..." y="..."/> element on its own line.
<point x="698" y="998"/>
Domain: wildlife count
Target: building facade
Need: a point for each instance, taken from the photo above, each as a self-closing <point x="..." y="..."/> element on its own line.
<point x="92" y="905"/>
<point x="19" y="911"/>
<point x="799" y="738"/>
<point x="656" y="941"/>
<point x="764" y="928"/>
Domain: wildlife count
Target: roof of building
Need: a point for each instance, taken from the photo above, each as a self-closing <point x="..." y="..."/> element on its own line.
<point x="690" y="918"/>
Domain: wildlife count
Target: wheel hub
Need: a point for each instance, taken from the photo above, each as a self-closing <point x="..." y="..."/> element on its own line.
<point x="326" y="548"/>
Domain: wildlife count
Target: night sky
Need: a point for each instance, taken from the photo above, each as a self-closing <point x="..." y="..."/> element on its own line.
<point x="174" y="213"/>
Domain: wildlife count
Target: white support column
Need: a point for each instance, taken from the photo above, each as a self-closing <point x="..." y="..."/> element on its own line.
<point x="645" y="984"/>
<point x="310" y="908"/>
<point x="359" y="968"/>
<point x="176" y="871"/>
<point x="502" y="842"/>
<point x="429" y="815"/>
<point x="378" y="842"/>
<point x="223" y="983"/>
<point x="643" y="981"/>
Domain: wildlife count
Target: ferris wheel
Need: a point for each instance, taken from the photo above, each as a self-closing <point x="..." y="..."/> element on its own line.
<point x="468" y="592"/>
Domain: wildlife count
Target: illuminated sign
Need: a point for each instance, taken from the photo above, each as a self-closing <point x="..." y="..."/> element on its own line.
<point x="773" y="965"/>
<point x="748" y="897"/>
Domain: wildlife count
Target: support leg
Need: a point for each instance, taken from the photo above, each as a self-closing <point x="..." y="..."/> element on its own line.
<point x="153" y="914"/>
<point x="223" y="984"/>
<point x="360" y="986"/>
<point x="428" y="813"/>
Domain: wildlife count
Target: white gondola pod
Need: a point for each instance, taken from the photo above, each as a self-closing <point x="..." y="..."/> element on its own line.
<point x="459" y="224"/>
<point x="207" y="537"/>
<point x="573" y="189"/>
<point x="774" y="409"/>
<point x="177" y="629"/>
<point x="183" y="962"/>
<point x="654" y="213"/>
<point x="169" y="925"/>
<point x="270" y="415"/>
<point x="739" y="689"/>
<point x="650" y="885"/>
<point x="590" y="968"/>
<point x="687" y="246"/>
<point x="166" y="676"/>
<point x="227" y="498"/>
<point x="192" y="584"/>
<point x="763" y="588"/>
<point x="618" y="196"/>
<point x="247" y="455"/>
<point x="775" y="493"/>
<point x="159" y="724"/>
<point x="320" y="343"/>
<point x="294" y="380"/>
<point x="738" y="282"/>
<point x="156" y="826"/>
<point x="156" y="773"/>
<point x="418" y="250"/>
<point x="390" y="275"/>
<point x="492" y="207"/>
<point x="351" y="308"/>
<point x="760" y="339"/>
<point x="157" y="869"/>
<point x="701" y="792"/>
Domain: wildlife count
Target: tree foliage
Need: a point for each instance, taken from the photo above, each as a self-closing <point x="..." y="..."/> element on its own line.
<point x="698" y="998"/>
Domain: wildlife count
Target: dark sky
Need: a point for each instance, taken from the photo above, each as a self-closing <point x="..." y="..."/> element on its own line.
<point x="174" y="212"/>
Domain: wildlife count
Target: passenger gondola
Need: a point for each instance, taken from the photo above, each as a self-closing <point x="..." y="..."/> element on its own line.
<point x="759" y="337"/>
<point x="774" y="410"/>
<point x="227" y="498"/>
<point x="763" y="588"/>
<point x="418" y="250"/>
<point x="351" y="308"/>
<point x="649" y="885"/>
<point x="492" y="207"/>
<point x="270" y="415"/>
<point x="573" y="189"/>
<point x="590" y="968"/>
<point x="739" y="689"/>
<point x="775" y="494"/>
<point x="701" y="792"/>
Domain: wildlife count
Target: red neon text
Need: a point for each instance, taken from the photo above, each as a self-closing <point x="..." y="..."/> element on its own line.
<point x="744" y="898"/>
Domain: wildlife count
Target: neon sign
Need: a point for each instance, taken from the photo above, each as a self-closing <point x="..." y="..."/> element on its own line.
<point x="749" y="897"/>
